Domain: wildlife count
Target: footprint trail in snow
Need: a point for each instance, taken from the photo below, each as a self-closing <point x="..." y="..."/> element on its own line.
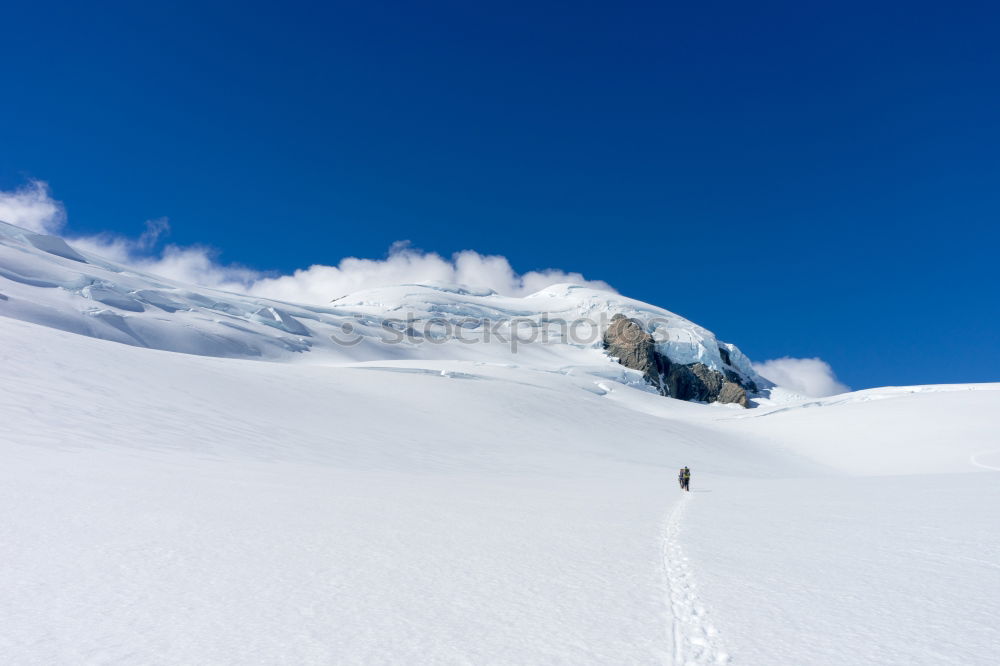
<point x="696" y="640"/>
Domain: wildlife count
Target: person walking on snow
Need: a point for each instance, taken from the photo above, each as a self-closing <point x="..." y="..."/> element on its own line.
<point x="685" y="478"/>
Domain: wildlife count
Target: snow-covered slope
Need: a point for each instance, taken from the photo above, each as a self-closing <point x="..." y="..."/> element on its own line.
<point x="456" y="503"/>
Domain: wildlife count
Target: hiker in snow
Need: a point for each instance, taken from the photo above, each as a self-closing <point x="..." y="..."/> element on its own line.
<point x="685" y="478"/>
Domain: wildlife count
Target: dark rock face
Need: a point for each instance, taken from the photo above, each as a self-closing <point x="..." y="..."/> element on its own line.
<point x="695" y="381"/>
<point x="725" y="356"/>
<point x="732" y="392"/>
<point x="634" y="348"/>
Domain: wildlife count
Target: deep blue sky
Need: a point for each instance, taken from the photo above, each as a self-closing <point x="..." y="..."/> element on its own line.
<point x="802" y="179"/>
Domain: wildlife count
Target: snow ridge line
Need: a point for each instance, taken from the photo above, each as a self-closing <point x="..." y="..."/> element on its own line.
<point x="696" y="641"/>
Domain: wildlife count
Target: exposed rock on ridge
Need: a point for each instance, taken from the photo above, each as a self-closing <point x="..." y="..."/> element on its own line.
<point x="634" y="348"/>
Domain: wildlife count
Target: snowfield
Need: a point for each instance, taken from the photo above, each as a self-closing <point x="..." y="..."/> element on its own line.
<point x="230" y="486"/>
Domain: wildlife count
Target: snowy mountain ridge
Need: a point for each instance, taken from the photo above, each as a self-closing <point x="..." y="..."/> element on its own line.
<point x="48" y="282"/>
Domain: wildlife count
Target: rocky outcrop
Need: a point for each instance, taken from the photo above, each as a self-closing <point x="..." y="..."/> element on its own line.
<point x="634" y="348"/>
<point x="627" y="341"/>
<point x="695" y="381"/>
<point x="732" y="392"/>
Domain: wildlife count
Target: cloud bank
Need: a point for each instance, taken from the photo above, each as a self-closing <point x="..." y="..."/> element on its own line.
<point x="32" y="207"/>
<point x="809" y="376"/>
<point x="320" y="284"/>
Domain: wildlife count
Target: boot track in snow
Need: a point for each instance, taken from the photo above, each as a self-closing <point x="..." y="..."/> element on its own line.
<point x="696" y="641"/>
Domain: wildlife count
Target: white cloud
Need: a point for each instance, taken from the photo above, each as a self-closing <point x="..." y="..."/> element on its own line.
<point x="33" y="208"/>
<point x="195" y="264"/>
<point x="154" y="229"/>
<point x="321" y="284"/>
<point x="192" y="264"/>
<point x="810" y="376"/>
<point x="121" y="248"/>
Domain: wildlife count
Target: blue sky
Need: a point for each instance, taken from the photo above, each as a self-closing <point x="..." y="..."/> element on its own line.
<point x="802" y="180"/>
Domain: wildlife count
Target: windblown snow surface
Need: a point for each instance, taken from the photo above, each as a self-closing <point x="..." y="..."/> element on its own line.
<point x="230" y="486"/>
